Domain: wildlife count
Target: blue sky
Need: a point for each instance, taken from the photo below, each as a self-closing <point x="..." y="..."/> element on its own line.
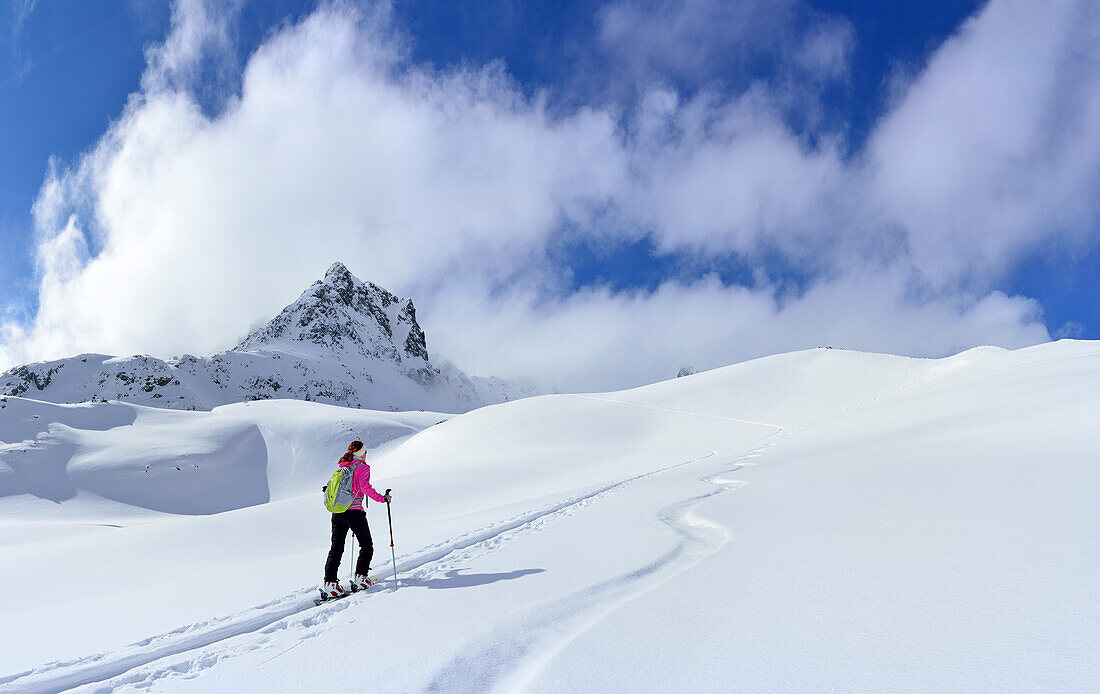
<point x="829" y="77"/>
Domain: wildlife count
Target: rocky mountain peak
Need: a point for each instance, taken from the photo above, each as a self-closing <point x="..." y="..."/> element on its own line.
<point x="338" y="271"/>
<point x="340" y="313"/>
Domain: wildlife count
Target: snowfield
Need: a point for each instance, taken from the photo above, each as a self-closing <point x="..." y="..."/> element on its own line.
<point x="816" y="521"/>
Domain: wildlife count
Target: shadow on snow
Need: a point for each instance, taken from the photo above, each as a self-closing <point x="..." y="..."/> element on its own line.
<point x="454" y="579"/>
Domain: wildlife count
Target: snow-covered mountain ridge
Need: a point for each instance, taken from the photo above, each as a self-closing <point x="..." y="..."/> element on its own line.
<point x="343" y="342"/>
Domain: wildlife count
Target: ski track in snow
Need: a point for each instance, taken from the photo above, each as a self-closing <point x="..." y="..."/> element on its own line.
<point x="496" y="662"/>
<point x="512" y="657"/>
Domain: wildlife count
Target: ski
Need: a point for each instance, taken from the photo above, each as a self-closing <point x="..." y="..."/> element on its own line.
<point x="321" y="601"/>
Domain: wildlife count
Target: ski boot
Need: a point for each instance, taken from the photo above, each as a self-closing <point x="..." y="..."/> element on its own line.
<point x="360" y="582"/>
<point x="332" y="590"/>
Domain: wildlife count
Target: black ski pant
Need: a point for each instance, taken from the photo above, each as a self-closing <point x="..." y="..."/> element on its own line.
<point x="355" y="520"/>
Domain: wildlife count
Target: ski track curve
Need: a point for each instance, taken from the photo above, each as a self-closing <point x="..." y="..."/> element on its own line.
<point x="512" y="657"/>
<point x="113" y="669"/>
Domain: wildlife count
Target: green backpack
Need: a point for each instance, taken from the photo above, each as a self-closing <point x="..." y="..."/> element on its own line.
<point x="338" y="491"/>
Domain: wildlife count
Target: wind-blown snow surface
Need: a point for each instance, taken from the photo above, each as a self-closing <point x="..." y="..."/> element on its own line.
<point x="815" y="521"/>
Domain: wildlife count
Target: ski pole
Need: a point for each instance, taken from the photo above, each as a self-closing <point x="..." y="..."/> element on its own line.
<point x="393" y="556"/>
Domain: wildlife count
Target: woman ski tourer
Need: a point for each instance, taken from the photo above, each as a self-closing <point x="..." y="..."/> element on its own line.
<point x="354" y="519"/>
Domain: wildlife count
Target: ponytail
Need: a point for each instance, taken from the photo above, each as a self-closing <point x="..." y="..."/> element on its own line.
<point x="353" y="448"/>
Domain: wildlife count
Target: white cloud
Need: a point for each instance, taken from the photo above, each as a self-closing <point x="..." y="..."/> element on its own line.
<point x="201" y="33"/>
<point x="1070" y="329"/>
<point x="15" y="14"/>
<point x="996" y="145"/>
<point x="695" y="41"/>
<point x="731" y="175"/>
<point x="597" y="340"/>
<point x="825" y="51"/>
<point x="182" y="228"/>
<point x="21" y="9"/>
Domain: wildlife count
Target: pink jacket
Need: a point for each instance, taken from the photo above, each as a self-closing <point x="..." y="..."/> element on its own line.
<point x="360" y="484"/>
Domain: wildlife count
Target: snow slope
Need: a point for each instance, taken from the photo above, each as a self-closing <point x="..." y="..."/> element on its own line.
<point x="815" y="521"/>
